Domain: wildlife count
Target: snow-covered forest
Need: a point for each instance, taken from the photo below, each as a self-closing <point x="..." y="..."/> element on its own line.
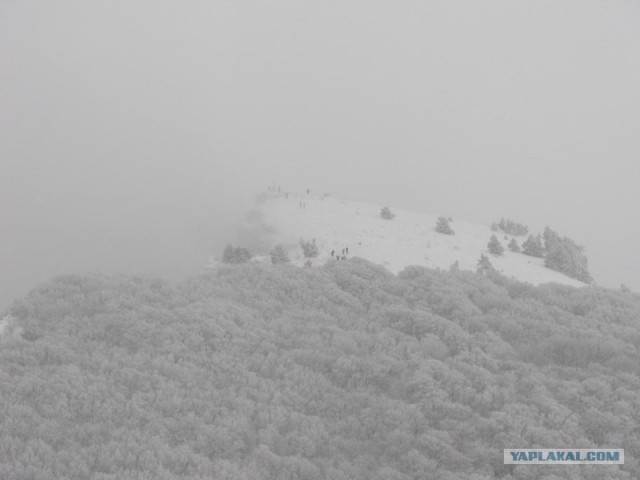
<point x="346" y="371"/>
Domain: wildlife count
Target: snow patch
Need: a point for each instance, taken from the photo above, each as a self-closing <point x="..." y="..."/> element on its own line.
<point x="408" y="239"/>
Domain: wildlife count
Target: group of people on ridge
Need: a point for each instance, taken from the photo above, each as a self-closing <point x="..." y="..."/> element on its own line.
<point x="345" y="252"/>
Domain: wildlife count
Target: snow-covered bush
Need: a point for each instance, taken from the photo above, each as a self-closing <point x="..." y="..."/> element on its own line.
<point x="386" y="213"/>
<point x="309" y="249"/>
<point x="494" y="246"/>
<point x="442" y="226"/>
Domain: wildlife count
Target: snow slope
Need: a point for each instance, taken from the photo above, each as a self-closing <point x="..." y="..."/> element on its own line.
<point x="408" y="239"/>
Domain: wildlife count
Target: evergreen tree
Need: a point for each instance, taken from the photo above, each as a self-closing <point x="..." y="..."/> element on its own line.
<point x="494" y="246"/>
<point x="442" y="226"/>
<point x="279" y="255"/>
<point x="235" y="255"/>
<point x="228" y="254"/>
<point x="243" y="255"/>
<point x="565" y="256"/>
<point x="513" y="246"/>
<point x="484" y="265"/>
<point x="532" y="246"/>
<point x="386" y="213"/>
<point x="550" y="237"/>
<point x="511" y="227"/>
<point x="310" y="249"/>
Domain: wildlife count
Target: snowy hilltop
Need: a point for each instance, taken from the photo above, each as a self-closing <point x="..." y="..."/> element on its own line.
<point x="341" y="229"/>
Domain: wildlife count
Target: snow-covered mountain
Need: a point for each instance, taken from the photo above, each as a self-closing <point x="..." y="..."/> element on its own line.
<point x="409" y="238"/>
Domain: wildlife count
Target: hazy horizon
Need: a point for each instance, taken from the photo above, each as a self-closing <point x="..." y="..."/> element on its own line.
<point x="134" y="136"/>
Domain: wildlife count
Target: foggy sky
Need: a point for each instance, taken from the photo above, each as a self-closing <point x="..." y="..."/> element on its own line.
<point x="132" y="134"/>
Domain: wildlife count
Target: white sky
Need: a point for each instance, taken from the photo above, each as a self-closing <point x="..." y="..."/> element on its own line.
<point x="133" y="133"/>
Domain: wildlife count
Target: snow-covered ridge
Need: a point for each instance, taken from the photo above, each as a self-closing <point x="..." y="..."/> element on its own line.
<point x="408" y="239"/>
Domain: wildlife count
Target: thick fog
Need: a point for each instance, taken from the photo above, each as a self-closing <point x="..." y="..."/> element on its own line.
<point x="133" y="134"/>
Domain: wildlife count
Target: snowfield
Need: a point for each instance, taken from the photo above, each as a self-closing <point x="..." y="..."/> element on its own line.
<point x="408" y="239"/>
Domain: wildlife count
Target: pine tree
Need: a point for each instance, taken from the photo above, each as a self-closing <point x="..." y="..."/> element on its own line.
<point x="386" y="213"/>
<point x="494" y="246"/>
<point x="227" y="254"/>
<point x="532" y="246"/>
<point x="565" y="256"/>
<point x="550" y="237"/>
<point x="310" y="249"/>
<point x="442" y="226"/>
<point x="484" y="265"/>
<point x="513" y="246"/>
<point x="235" y="255"/>
<point x="279" y="255"/>
<point x="511" y="227"/>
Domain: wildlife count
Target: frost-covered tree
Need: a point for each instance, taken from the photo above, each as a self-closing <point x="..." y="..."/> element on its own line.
<point x="279" y="255"/>
<point x="565" y="256"/>
<point x="513" y="246"/>
<point x="512" y="227"/>
<point x="235" y="255"/>
<point x="414" y="377"/>
<point x="494" y="246"/>
<point x="386" y="213"/>
<point x="310" y="249"/>
<point x="484" y="265"/>
<point x="442" y="226"/>
<point x="550" y="237"/>
<point x="532" y="246"/>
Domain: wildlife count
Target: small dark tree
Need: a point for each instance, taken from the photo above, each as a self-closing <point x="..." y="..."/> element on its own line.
<point x="494" y="227"/>
<point x="442" y="226"/>
<point x="386" y="213"/>
<point x="494" y="246"/>
<point x="532" y="246"/>
<point x="279" y="255"/>
<point x="513" y="246"/>
<point x="235" y="255"/>
<point x="310" y="249"/>
<point x="484" y="265"/>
